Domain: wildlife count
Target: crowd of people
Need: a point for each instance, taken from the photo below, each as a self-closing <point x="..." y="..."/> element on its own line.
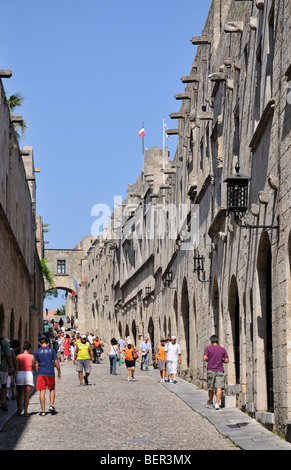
<point x="56" y="345"/>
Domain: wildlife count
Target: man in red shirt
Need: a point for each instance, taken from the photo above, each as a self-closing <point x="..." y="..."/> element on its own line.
<point x="215" y="356"/>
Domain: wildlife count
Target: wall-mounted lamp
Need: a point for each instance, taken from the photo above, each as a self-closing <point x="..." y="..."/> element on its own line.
<point x="135" y="304"/>
<point x="199" y="266"/>
<point x="237" y="198"/>
<point x="106" y="298"/>
<point x="148" y="290"/>
<point x="168" y="279"/>
<point x="95" y="295"/>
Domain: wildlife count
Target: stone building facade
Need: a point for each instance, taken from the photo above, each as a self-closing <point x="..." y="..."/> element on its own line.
<point x="21" y="288"/>
<point x="175" y="259"/>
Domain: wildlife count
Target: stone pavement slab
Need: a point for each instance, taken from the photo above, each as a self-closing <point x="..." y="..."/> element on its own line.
<point x="113" y="401"/>
<point x="244" y="431"/>
<point x="111" y="414"/>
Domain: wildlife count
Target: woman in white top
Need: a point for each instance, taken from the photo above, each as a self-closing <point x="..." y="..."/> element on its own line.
<point x="113" y="353"/>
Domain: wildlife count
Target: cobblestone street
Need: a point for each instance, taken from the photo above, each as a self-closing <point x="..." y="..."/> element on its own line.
<point x="112" y="414"/>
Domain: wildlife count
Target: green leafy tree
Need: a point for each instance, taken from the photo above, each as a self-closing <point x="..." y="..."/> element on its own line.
<point x="15" y="101"/>
<point x="48" y="276"/>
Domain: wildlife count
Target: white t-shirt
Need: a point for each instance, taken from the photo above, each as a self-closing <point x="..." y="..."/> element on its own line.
<point x="172" y="351"/>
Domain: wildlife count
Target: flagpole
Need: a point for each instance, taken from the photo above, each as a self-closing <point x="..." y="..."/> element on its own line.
<point x="143" y="143"/>
<point x="163" y="150"/>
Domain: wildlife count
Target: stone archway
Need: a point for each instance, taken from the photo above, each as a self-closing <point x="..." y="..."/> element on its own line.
<point x="264" y="309"/>
<point x="133" y="331"/>
<point x="11" y="326"/>
<point x="185" y="333"/>
<point x="233" y="343"/>
<point x="288" y="333"/>
<point x="215" y="308"/>
<point x="151" y="333"/>
<point x="2" y="317"/>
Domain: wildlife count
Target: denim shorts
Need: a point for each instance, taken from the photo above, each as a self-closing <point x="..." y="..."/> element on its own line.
<point x="83" y="364"/>
<point x="215" y="380"/>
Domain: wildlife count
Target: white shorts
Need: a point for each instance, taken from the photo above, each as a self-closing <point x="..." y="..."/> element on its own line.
<point x="172" y="367"/>
<point x="24" y="377"/>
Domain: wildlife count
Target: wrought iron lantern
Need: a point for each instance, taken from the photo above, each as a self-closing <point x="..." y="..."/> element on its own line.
<point x="148" y="290"/>
<point x="199" y="266"/>
<point x="198" y="263"/>
<point x="237" y="194"/>
<point x="168" y="278"/>
<point x="135" y="304"/>
<point x="237" y="199"/>
<point x="106" y="298"/>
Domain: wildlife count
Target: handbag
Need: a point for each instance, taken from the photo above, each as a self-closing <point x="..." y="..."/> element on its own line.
<point x="134" y="355"/>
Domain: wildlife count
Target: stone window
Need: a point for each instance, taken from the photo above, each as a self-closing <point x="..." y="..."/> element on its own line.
<point x="61" y="266"/>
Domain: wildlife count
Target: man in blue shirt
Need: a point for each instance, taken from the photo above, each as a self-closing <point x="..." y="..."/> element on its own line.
<point x="145" y="353"/>
<point x="46" y="360"/>
<point x="121" y="344"/>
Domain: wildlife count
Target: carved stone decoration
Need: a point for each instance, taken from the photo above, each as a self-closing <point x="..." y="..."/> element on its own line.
<point x="260" y="4"/>
<point x="273" y="181"/>
<point x="263" y="197"/>
<point x="255" y="209"/>
<point x="223" y="236"/>
<point x="234" y="27"/>
<point x="253" y="23"/>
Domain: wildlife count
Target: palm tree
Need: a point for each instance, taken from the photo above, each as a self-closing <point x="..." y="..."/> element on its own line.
<point x="15" y="101"/>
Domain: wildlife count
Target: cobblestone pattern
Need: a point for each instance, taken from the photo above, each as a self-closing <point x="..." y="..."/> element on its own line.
<point x="111" y="414"/>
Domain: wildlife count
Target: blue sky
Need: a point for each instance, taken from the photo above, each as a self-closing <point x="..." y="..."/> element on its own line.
<point x="91" y="72"/>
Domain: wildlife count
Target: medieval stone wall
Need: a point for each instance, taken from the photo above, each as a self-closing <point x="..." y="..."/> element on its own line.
<point x="235" y="110"/>
<point x="21" y="287"/>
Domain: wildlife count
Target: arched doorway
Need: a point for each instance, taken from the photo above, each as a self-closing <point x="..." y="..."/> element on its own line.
<point x="185" y="339"/>
<point x="120" y="329"/>
<point x="215" y="308"/>
<point x="265" y="333"/>
<point x="11" y="328"/>
<point x="175" y="306"/>
<point x="288" y="311"/>
<point x="2" y="317"/>
<point x="133" y="330"/>
<point x="233" y="343"/>
<point x="151" y="333"/>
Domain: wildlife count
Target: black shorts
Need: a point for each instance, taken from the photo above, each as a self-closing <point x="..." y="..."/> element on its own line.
<point x="129" y="363"/>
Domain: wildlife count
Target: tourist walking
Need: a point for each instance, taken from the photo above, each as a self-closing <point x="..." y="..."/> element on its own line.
<point x="215" y="356"/>
<point x="121" y="344"/>
<point x="46" y="360"/>
<point x="145" y="353"/>
<point x="130" y="359"/>
<point x="172" y="358"/>
<point x="113" y="354"/>
<point x="10" y="386"/>
<point x="25" y="365"/>
<point x="5" y="369"/>
<point x="160" y="360"/>
<point x="83" y="353"/>
<point x="67" y="352"/>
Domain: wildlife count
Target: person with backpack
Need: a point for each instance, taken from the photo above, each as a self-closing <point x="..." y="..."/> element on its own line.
<point x="6" y="367"/>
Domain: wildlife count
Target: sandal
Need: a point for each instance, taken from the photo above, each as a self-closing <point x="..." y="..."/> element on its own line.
<point x="42" y="413"/>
